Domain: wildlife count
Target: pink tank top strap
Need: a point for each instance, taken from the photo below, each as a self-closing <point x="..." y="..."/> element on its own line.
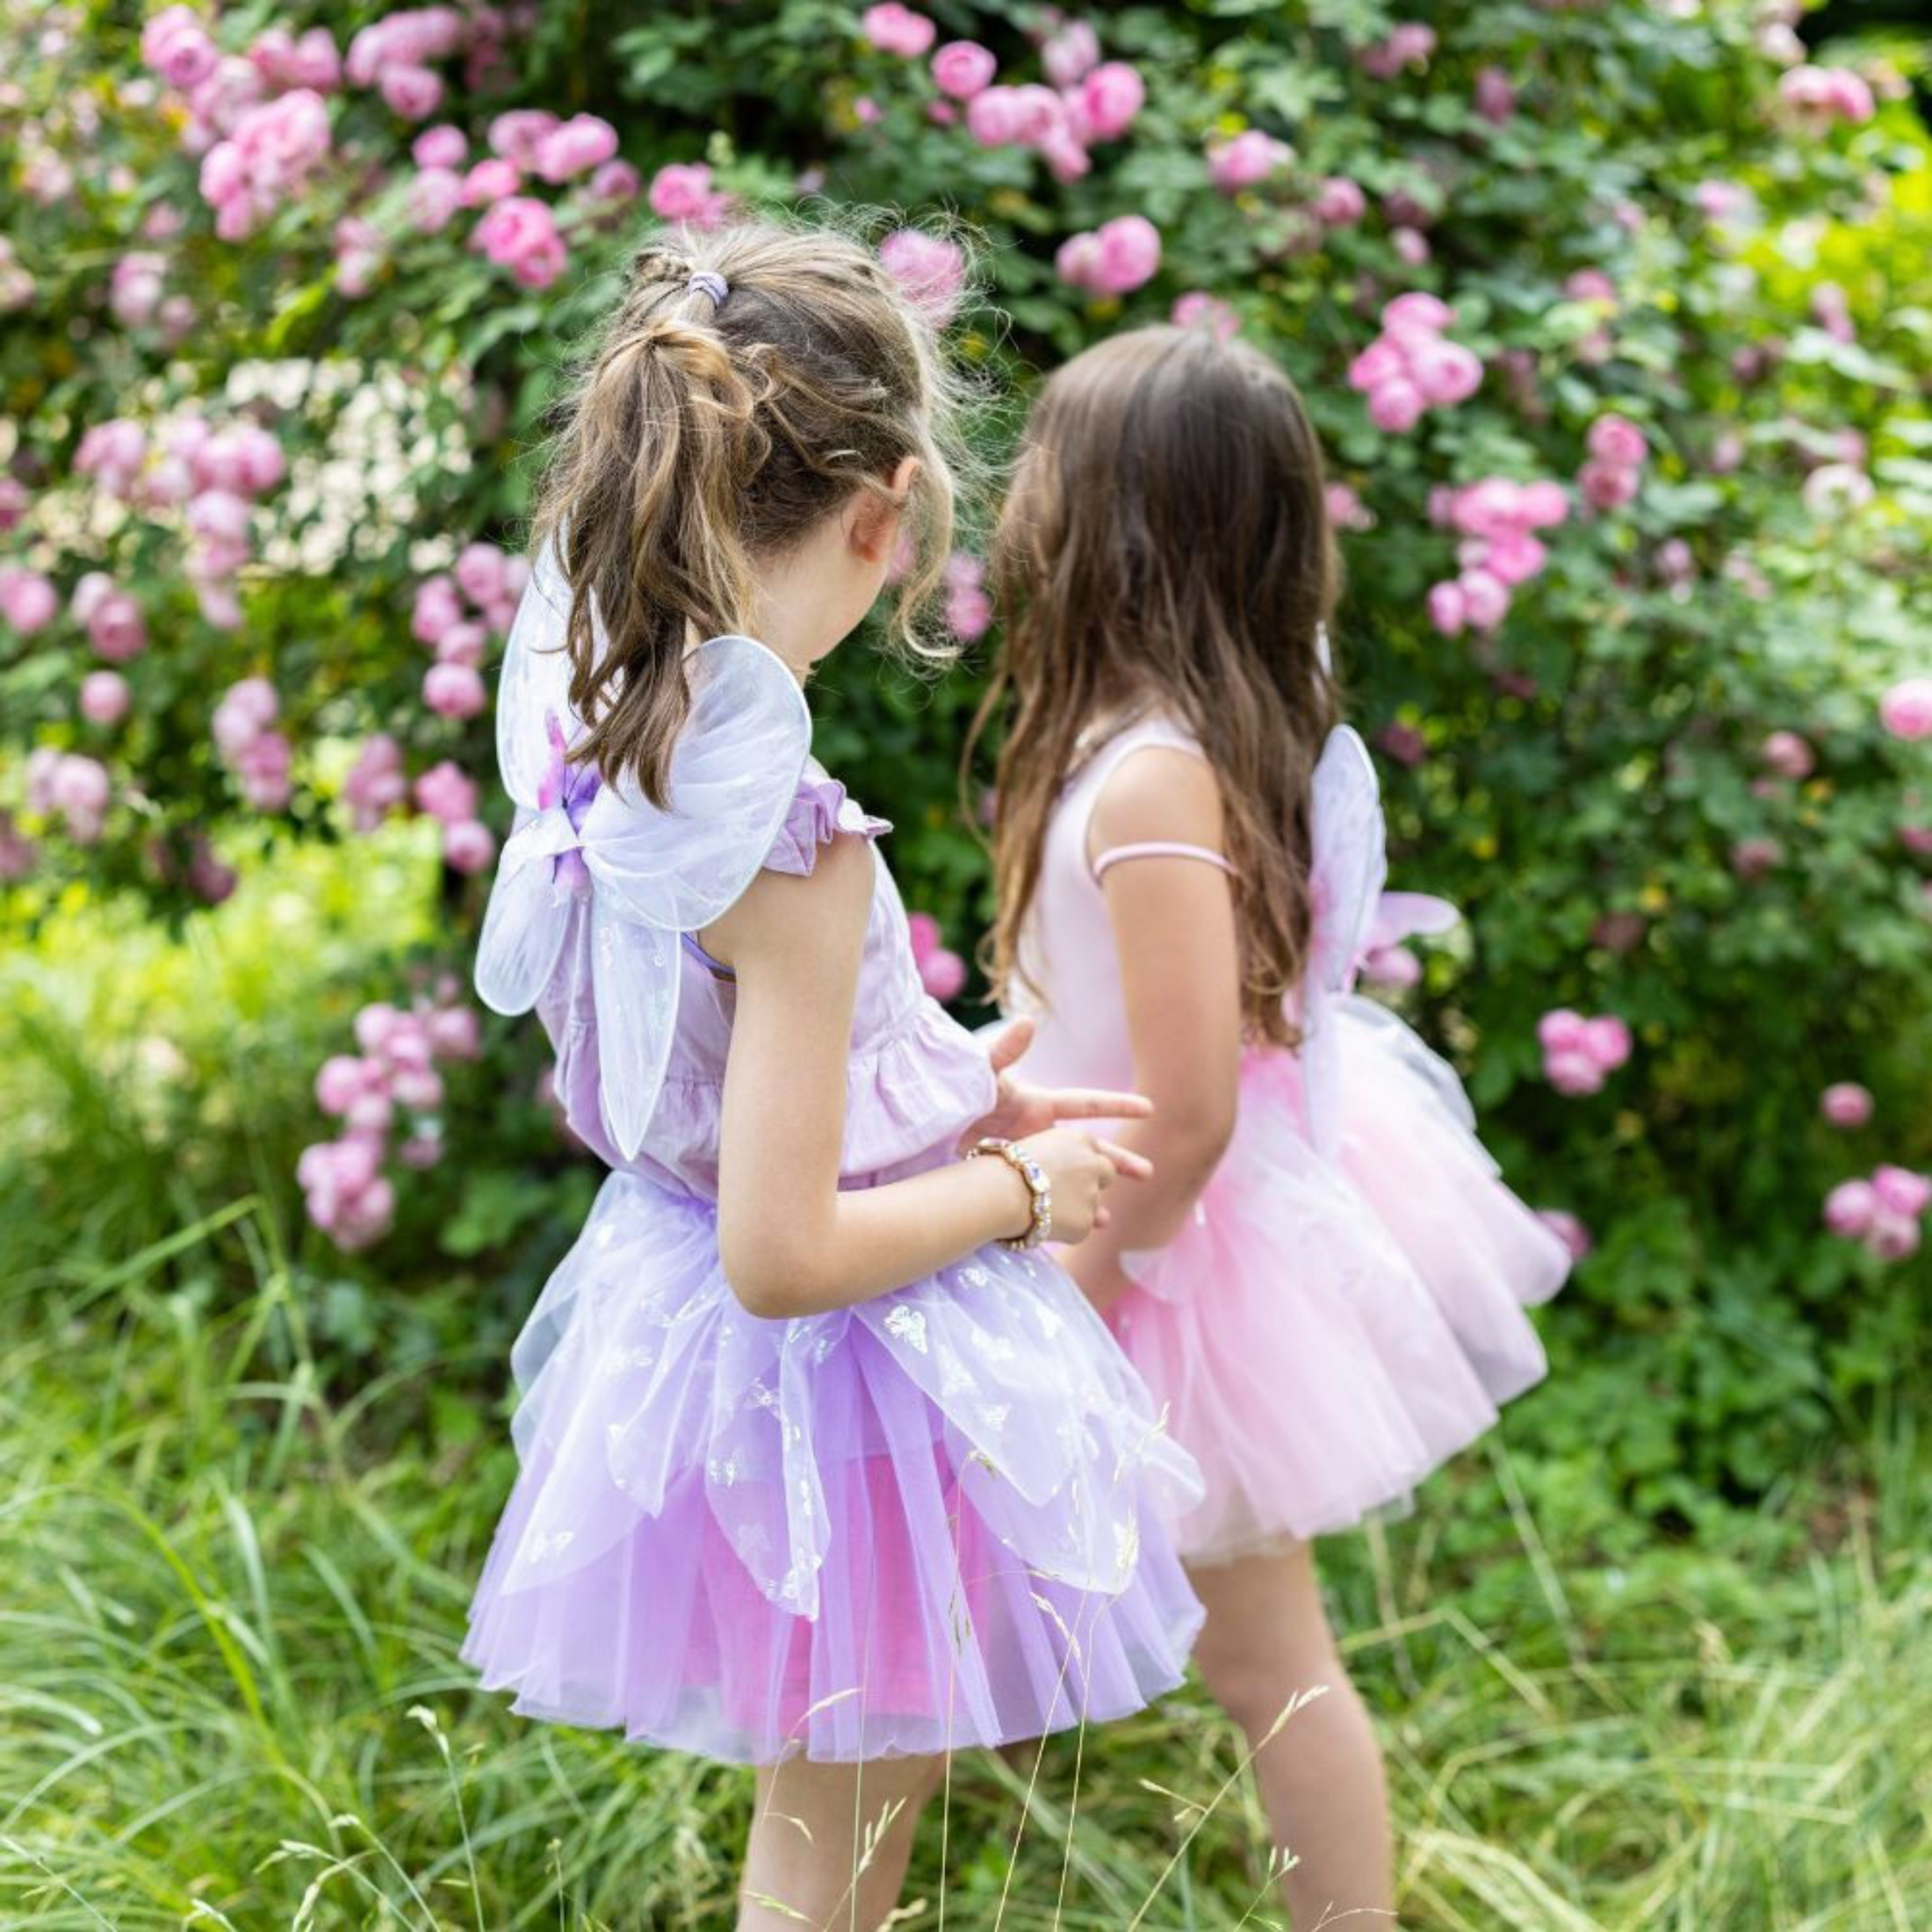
<point x="1147" y="734"/>
<point x="1160" y="848"/>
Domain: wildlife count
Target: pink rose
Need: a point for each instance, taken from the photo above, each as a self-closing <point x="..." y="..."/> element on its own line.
<point x="1198" y="309"/>
<point x="116" y="628"/>
<point x="1340" y="202"/>
<point x="490" y="181"/>
<point x="1110" y="97"/>
<point x="1249" y="157"/>
<point x="517" y="135"/>
<point x="1892" y="1238"/>
<point x="375" y="784"/>
<point x="943" y="974"/>
<point x="1495" y="95"/>
<point x="962" y="68"/>
<point x="28" y="601"/>
<point x="435" y="196"/>
<point x="1606" y="1040"/>
<point x="1787" y="755"/>
<point x="468" y="848"/>
<point x="1901" y="1190"/>
<point x="1617" y="441"/>
<point x="105" y="697"/>
<point x="454" y="690"/>
<point x="1561" y="1030"/>
<point x="520" y="233"/>
<point x="412" y="92"/>
<point x="1906" y="709"/>
<point x="1845" y="1104"/>
<point x="997" y="116"/>
<point x="1448" y="609"/>
<point x="581" y="143"/>
<point x="929" y="269"/>
<point x="616" y="181"/>
<point x="924" y="930"/>
<point x="443" y="146"/>
<point x="479" y="572"/>
<point x="1606" y="487"/>
<point x="1417" y="313"/>
<point x="1130" y="253"/>
<point x="447" y="792"/>
<point x="682" y="192"/>
<point x="1849" y="1207"/>
<point x="895" y="29"/>
<point x="1070" y="55"/>
<point x="1573" y="1074"/>
<point x="454" y="1033"/>
<point x="1396" y="406"/>
<point x="1484" y="600"/>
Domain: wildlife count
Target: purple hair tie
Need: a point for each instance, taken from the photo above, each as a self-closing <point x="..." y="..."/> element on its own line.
<point x="711" y="284"/>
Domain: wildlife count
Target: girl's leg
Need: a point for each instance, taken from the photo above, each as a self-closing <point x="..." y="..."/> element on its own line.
<point x="1266" y="1638"/>
<point x="829" y="1842"/>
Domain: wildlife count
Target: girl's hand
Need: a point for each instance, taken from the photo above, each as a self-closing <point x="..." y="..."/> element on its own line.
<point x="1021" y="1108"/>
<point x="1080" y="1167"/>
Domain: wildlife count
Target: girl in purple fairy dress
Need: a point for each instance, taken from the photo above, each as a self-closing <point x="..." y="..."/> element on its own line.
<point x="824" y="1466"/>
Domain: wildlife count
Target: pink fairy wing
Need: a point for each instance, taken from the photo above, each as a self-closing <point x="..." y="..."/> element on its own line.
<point x="1349" y="863"/>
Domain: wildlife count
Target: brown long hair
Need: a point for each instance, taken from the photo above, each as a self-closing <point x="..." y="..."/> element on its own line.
<point x="1165" y="546"/>
<point x="703" y="434"/>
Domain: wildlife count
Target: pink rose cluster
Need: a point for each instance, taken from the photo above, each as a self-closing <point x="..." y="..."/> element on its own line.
<point x="1407" y="44"/>
<point x="396" y="54"/>
<point x="942" y="972"/>
<point x="1412" y="365"/>
<point x="1906" y="709"/>
<point x="1495" y="518"/>
<point x="1609" y="476"/>
<point x="1819" y="96"/>
<point x="1883" y="1211"/>
<point x="1083" y="101"/>
<point x="248" y="744"/>
<point x="136" y="296"/>
<point x="216" y="473"/>
<point x="347" y="1196"/>
<point x="456" y="613"/>
<point x="68" y="784"/>
<point x="1115" y="258"/>
<point x="1580" y="1053"/>
<point x="968" y="610"/>
<point x="275" y="147"/>
<point x="931" y="271"/>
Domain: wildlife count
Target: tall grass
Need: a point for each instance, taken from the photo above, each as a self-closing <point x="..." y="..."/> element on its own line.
<point x="229" y="1695"/>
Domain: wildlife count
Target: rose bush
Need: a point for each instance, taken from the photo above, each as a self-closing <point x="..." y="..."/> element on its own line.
<point x="1601" y="308"/>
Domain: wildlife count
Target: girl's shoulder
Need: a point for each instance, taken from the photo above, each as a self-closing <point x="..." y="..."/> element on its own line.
<point x="1105" y="745"/>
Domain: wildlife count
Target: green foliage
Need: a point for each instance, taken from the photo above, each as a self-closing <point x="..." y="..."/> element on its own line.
<point x="1585" y="776"/>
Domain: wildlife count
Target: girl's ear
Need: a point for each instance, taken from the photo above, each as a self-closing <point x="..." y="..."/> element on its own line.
<point x="873" y="525"/>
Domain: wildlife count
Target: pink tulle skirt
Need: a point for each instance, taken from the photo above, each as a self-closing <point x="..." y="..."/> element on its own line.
<point x="1325" y="1334"/>
<point x="929" y="1521"/>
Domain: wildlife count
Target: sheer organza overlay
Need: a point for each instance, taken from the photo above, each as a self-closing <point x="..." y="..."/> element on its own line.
<point x="931" y="1521"/>
<point x="1343" y="1308"/>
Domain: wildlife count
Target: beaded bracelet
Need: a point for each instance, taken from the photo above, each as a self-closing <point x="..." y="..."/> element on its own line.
<point x="1039" y="1190"/>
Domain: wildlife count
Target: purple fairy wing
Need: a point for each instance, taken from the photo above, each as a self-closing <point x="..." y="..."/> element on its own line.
<point x="1349" y="865"/>
<point x="648" y="872"/>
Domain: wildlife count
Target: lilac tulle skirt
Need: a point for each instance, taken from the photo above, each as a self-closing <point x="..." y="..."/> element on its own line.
<point x="1325" y="1334"/>
<point x="929" y="1521"/>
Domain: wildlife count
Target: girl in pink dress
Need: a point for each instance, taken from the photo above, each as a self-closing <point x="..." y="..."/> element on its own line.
<point x="825" y="1466"/>
<point x="1324" y="1282"/>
